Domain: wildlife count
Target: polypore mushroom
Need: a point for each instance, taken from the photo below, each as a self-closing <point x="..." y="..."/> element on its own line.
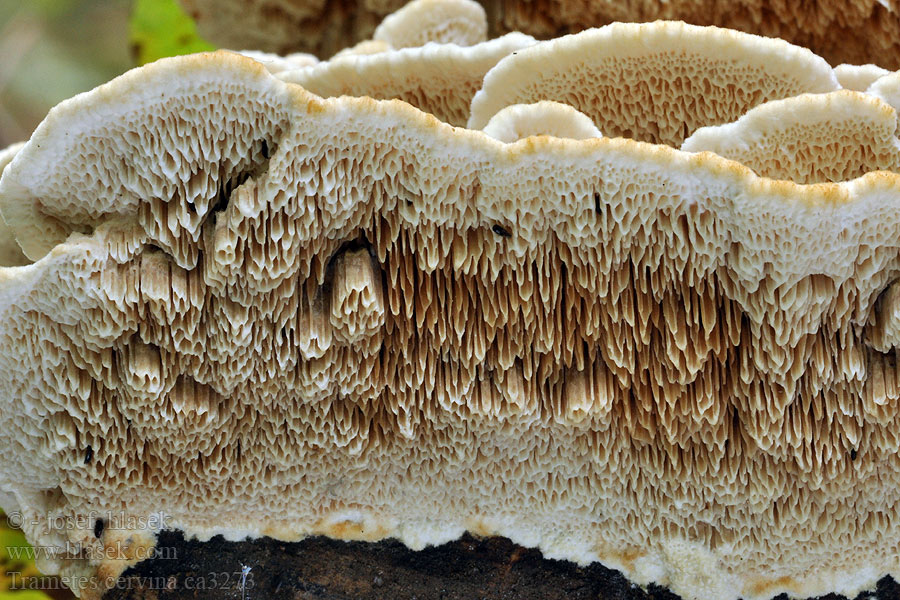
<point x="858" y="32"/>
<point x="460" y="22"/>
<point x="276" y="64"/>
<point x="858" y="77"/>
<point x="541" y="118"/>
<point x="346" y="317"/>
<point x="887" y="87"/>
<point x="363" y="48"/>
<point x="809" y="138"/>
<point x="440" y="79"/>
<point x="655" y="82"/>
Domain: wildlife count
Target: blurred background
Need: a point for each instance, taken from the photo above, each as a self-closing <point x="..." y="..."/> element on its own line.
<point x="51" y="50"/>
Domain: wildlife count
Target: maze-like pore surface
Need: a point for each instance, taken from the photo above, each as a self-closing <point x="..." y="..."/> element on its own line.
<point x="288" y="315"/>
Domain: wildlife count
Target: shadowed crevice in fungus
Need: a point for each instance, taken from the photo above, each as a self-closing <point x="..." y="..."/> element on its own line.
<point x="325" y="569"/>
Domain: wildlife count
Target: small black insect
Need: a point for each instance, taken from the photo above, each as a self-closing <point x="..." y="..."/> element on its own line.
<point x="98" y="528"/>
<point x="88" y="455"/>
<point x="500" y="231"/>
<point x="853" y="454"/>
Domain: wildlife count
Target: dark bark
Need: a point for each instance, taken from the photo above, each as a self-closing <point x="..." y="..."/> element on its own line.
<point x="324" y="569"/>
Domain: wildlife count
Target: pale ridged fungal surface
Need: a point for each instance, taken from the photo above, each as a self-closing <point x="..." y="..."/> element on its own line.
<point x="846" y="31"/>
<point x="654" y="82"/>
<point x="460" y="22"/>
<point x="811" y="138"/>
<point x="540" y="118"/>
<point x="887" y="87"/>
<point x="858" y="77"/>
<point x="440" y="79"/>
<point x="276" y="64"/>
<point x="262" y="312"/>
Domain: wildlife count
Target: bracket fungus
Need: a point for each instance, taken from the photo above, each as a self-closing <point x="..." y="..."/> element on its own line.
<point x="887" y="87"/>
<point x="363" y="48"/>
<point x="460" y="22"/>
<point x="857" y="32"/>
<point x="440" y="79"/>
<point x="262" y="312"/>
<point x="858" y="77"/>
<point x="276" y="64"/>
<point x="809" y="138"/>
<point x="653" y="82"/>
<point x="541" y="118"/>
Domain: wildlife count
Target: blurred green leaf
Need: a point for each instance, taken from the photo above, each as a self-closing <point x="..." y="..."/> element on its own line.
<point x="21" y="562"/>
<point x="159" y="28"/>
<point x="51" y="8"/>
<point x="10" y="538"/>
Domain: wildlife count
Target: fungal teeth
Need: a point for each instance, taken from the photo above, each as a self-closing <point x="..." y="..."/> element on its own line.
<point x="811" y="138"/>
<point x="883" y="329"/>
<point x="357" y="305"/>
<point x="262" y="311"/>
<point x="142" y="369"/>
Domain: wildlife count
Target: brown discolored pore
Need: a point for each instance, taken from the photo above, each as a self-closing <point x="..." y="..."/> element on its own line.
<point x="321" y="568"/>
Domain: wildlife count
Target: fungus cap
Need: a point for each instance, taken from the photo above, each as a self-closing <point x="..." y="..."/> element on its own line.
<point x="654" y="82"/>
<point x="276" y="64"/>
<point x="541" y="118"/>
<point x="887" y="87"/>
<point x="810" y="138"/>
<point x="460" y="22"/>
<point x="363" y="48"/>
<point x="43" y="221"/>
<point x="856" y="32"/>
<point x="440" y="79"/>
<point x="858" y="77"/>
